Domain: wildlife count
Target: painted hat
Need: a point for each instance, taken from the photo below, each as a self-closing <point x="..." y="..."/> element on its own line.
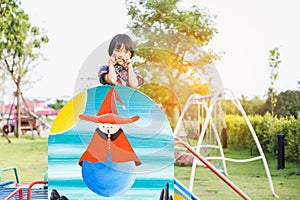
<point x="108" y="112"/>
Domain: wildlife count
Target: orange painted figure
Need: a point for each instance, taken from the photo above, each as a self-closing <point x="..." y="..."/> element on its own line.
<point x="109" y="136"/>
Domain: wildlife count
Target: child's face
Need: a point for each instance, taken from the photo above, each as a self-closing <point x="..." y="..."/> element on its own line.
<point x="121" y="55"/>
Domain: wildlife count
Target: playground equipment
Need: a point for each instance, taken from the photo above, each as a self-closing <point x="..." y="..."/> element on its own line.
<point x="181" y="192"/>
<point x="151" y="137"/>
<point x="16" y="190"/>
<point x="209" y="126"/>
<point x="212" y="168"/>
<point x="29" y="120"/>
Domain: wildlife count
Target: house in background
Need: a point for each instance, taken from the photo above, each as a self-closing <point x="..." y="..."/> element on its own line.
<point x="42" y="109"/>
<point x="35" y="107"/>
<point x="33" y="117"/>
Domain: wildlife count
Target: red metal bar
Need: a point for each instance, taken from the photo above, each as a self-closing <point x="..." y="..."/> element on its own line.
<point x="32" y="184"/>
<point x="14" y="193"/>
<point x="212" y="168"/>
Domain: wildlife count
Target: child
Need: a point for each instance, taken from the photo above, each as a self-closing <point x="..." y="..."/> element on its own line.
<point x="119" y="69"/>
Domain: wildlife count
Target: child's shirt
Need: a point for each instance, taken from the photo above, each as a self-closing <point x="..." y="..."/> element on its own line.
<point x="122" y="75"/>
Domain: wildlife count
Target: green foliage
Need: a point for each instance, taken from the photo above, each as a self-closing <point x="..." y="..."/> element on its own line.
<point x="252" y="107"/>
<point x="19" y="42"/>
<point x="291" y="129"/>
<point x="166" y="36"/>
<point x="168" y="49"/>
<point x="237" y="131"/>
<point x="164" y="15"/>
<point x="13" y="28"/>
<point x="286" y="121"/>
<point x="19" y="47"/>
<point x="58" y="105"/>
<point x="164" y="97"/>
<point x="288" y="104"/>
<point x="154" y="91"/>
<point x="266" y="129"/>
<point x="274" y="61"/>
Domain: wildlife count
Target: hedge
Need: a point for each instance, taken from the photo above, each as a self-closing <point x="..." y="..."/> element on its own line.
<point x="266" y="129"/>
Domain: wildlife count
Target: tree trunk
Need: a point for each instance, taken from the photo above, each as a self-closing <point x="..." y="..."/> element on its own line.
<point x="272" y="105"/>
<point x="172" y="105"/>
<point x="18" y="95"/>
<point x="3" y="94"/>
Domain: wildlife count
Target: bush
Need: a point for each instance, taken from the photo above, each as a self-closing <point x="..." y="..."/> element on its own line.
<point x="266" y="129"/>
<point x="291" y="130"/>
<point x="237" y="130"/>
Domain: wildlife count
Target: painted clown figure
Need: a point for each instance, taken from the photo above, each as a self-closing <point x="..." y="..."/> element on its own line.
<point x="109" y="137"/>
<point x="108" y="164"/>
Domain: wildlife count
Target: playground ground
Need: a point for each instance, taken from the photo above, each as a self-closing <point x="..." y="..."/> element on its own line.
<point x="250" y="177"/>
<point x="29" y="155"/>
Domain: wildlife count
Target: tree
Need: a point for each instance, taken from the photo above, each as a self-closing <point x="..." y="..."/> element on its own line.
<point x="169" y="45"/>
<point x="20" y="45"/>
<point x="288" y="104"/>
<point x="274" y="61"/>
<point x="58" y="105"/>
<point x="254" y="106"/>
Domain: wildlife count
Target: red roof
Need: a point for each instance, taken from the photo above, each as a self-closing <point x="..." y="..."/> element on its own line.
<point x="37" y="107"/>
<point x="47" y="112"/>
<point x="12" y="109"/>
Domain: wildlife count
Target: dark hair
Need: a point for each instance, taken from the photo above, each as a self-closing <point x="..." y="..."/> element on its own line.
<point x="117" y="42"/>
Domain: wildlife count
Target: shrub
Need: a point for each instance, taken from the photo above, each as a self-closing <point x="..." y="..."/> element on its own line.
<point x="266" y="129"/>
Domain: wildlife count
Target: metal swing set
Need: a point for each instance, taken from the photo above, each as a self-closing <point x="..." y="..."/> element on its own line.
<point x="208" y="127"/>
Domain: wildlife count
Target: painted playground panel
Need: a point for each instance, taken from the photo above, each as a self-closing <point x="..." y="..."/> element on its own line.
<point x="150" y="137"/>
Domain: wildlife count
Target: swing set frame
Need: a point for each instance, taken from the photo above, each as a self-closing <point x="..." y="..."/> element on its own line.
<point x="207" y="106"/>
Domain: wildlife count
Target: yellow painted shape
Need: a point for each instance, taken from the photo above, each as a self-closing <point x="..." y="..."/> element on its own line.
<point x="178" y="197"/>
<point x="69" y="114"/>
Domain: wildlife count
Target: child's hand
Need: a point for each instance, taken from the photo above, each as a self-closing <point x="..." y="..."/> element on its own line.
<point x="128" y="64"/>
<point x="112" y="60"/>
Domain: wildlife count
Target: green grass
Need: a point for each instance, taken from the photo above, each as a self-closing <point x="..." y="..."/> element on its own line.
<point x="250" y="177"/>
<point x="29" y="155"/>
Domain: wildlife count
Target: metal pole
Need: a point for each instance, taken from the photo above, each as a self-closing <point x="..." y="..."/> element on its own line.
<point x="280" y="151"/>
<point x="213" y="169"/>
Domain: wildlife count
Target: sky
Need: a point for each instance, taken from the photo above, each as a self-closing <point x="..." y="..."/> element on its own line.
<point x="247" y="30"/>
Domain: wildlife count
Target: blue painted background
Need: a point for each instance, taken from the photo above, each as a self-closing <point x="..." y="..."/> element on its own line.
<point x="151" y="138"/>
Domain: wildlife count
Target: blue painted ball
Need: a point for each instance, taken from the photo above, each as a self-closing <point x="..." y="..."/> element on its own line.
<point x="108" y="178"/>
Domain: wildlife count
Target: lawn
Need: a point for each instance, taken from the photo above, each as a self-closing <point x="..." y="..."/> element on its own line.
<point x="30" y="157"/>
<point x="250" y="177"/>
<point x="28" y="154"/>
